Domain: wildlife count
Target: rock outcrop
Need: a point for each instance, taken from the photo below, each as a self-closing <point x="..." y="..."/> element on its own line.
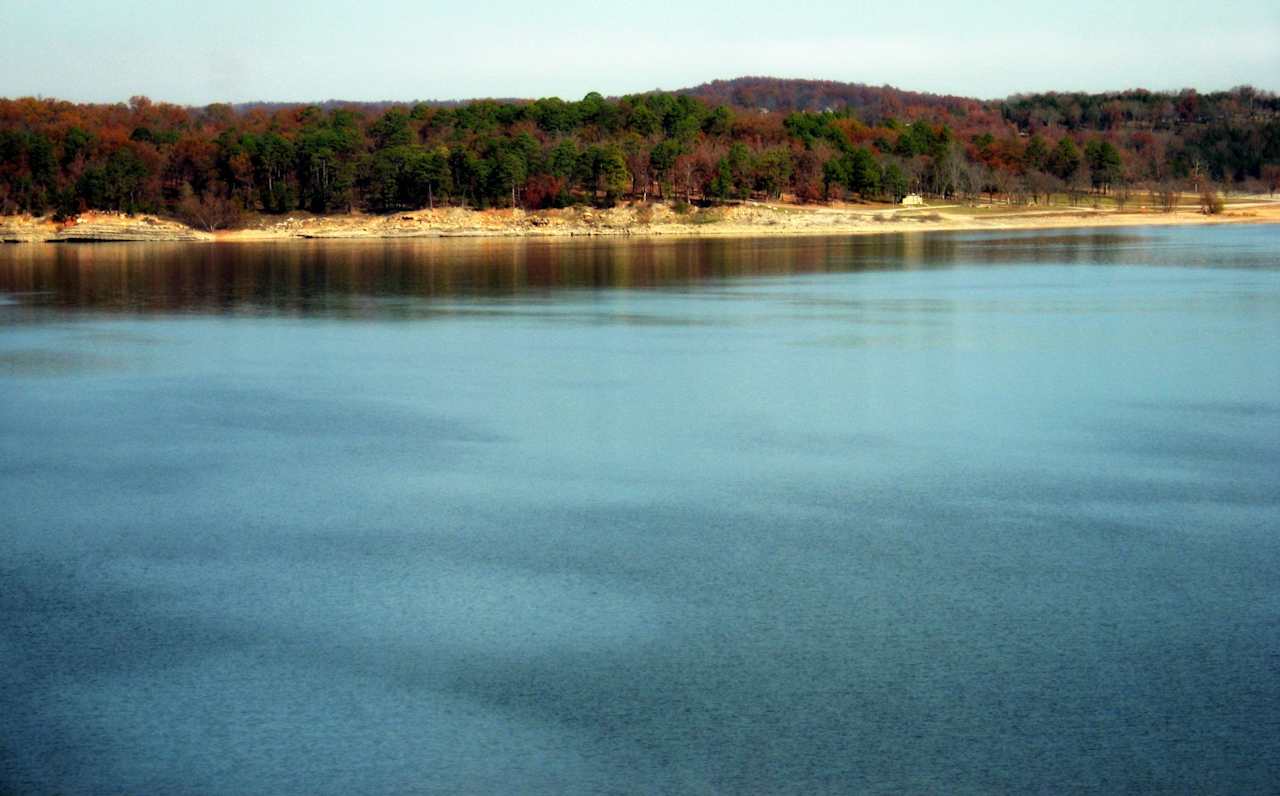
<point x="17" y="229"/>
<point x="96" y="227"/>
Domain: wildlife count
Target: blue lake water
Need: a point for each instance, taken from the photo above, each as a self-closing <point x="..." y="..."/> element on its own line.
<point x="964" y="513"/>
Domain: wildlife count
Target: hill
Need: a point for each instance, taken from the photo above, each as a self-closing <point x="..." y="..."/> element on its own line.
<point x="786" y="95"/>
<point x="747" y="138"/>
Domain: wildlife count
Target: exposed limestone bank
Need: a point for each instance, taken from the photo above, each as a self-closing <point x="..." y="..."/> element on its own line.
<point x="24" y="229"/>
<point x="740" y="220"/>
<point x="748" y="219"/>
<point x="96" y="227"/>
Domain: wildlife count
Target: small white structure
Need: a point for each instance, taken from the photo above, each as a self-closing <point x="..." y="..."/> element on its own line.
<point x="913" y="199"/>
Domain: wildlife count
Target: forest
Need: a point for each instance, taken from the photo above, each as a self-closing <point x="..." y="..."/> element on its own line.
<point x="761" y="138"/>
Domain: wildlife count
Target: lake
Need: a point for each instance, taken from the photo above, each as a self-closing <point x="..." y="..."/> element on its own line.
<point x="980" y="512"/>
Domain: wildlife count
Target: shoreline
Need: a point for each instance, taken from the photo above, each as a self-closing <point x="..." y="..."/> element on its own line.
<point x="747" y="220"/>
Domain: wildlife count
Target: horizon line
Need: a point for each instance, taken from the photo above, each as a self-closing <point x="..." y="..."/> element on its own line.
<point x="656" y="90"/>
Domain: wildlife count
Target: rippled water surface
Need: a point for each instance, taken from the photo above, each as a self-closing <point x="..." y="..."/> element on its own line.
<point x="962" y="513"/>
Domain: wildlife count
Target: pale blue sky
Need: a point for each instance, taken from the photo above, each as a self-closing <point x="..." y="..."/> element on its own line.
<point x="296" y="50"/>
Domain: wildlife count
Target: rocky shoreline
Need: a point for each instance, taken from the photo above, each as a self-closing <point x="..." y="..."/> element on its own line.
<point x="97" y="227"/>
<point x="741" y="220"/>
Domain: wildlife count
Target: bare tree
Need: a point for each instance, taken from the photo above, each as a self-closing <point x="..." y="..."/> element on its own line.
<point x="1018" y="191"/>
<point x="1271" y="177"/>
<point x="1000" y="182"/>
<point x="1197" y="173"/>
<point x="636" y="152"/>
<point x="1077" y="187"/>
<point x="1211" y="202"/>
<point x="1121" y="192"/>
<point x="1041" y="186"/>
<point x="208" y="212"/>
<point x="973" y="181"/>
<point x="683" y="173"/>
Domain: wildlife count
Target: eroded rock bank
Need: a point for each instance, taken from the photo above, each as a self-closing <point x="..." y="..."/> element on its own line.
<point x="93" y="227"/>
<point x="748" y="219"/>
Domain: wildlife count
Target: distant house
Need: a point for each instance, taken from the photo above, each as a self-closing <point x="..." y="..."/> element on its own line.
<point x="913" y="199"/>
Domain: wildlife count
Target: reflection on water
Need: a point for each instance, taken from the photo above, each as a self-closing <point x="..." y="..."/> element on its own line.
<point x="962" y="513"/>
<point x="327" y="276"/>
<point x="355" y="278"/>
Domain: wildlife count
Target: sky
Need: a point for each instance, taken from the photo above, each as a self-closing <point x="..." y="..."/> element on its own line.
<point x="310" y="50"/>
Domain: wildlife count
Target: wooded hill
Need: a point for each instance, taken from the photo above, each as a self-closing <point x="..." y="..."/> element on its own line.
<point x="801" y="140"/>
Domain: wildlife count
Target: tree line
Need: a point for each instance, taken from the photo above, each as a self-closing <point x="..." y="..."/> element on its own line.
<point x="210" y="165"/>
